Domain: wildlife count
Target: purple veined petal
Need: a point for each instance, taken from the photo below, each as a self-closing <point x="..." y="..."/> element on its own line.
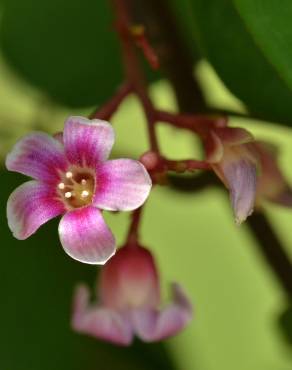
<point x="31" y="205"/>
<point x="99" y="322"/>
<point x="122" y="185"/>
<point x="153" y="325"/>
<point x="37" y="155"/>
<point x="240" y="175"/>
<point x="86" y="237"/>
<point x="87" y="142"/>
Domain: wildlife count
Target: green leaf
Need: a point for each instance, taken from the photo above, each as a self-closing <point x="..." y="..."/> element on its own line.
<point x="243" y="61"/>
<point x="37" y="283"/>
<point x="68" y="48"/>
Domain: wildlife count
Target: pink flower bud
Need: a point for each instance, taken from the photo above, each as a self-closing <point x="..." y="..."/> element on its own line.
<point x="229" y="153"/>
<point x="130" y="280"/>
<point x="130" y="302"/>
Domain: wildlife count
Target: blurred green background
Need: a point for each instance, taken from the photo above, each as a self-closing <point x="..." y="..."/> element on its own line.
<point x="60" y="58"/>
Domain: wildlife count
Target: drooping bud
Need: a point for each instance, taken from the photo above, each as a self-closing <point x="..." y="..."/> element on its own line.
<point x="228" y="152"/>
<point x="130" y="302"/>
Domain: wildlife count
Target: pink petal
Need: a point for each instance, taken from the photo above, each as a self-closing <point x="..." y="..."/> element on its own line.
<point x="122" y="185"/>
<point x="130" y="279"/>
<point x="87" y="142"/>
<point x="240" y="176"/>
<point x="214" y="148"/>
<point x="37" y="155"/>
<point x="31" y="205"/>
<point x="86" y="237"/>
<point x="233" y="135"/>
<point x="153" y="325"/>
<point x="99" y="322"/>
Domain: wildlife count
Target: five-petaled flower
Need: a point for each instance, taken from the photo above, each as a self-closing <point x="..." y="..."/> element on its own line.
<point x="248" y="168"/>
<point x="129" y="296"/>
<point x="73" y="177"/>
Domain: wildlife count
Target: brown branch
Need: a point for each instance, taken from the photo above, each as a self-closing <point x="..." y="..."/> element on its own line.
<point x="133" y="232"/>
<point x="133" y="71"/>
<point x="155" y="14"/>
<point x="109" y="108"/>
<point x="199" y="123"/>
<point x="176" y="61"/>
<point x="272" y="250"/>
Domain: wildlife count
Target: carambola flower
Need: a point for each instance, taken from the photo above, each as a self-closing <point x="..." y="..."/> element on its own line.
<point x="73" y="177"/>
<point x="248" y="168"/>
<point x="231" y="157"/>
<point x="129" y="303"/>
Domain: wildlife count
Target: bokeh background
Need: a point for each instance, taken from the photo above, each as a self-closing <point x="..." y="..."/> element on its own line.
<point x="59" y="58"/>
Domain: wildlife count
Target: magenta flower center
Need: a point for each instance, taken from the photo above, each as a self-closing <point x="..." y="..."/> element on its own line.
<point x="77" y="187"/>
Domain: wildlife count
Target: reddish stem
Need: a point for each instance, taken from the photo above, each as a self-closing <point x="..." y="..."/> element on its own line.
<point x="109" y="108"/>
<point x="186" y="165"/>
<point x="142" y="42"/>
<point x="133" y="233"/>
<point x="133" y="70"/>
<point x="200" y="124"/>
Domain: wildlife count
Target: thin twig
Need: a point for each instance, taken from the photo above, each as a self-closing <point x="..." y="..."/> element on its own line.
<point x="133" y="232"/>
<point x="110" y="107"/>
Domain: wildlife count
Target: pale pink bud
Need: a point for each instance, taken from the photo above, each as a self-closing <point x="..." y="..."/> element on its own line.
<point x="130" y="302"/>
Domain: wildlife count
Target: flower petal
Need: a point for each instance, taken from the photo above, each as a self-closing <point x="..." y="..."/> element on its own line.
<point x="31" y="205"/>
<point x="130" y="279"/>
<point x="240" y="176"/>
<point x="86" y="237"/>
<point x="37" y="155"/>
<point x="87" y="142"/>
<point x="233" y="135"/>
<point x="99" y="322"/>
<point x="122" y="185"/>
<point x="153" y="325"/>
<point x="214" y="148"/>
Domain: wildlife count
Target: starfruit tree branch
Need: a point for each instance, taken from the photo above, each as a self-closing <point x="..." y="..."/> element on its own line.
<point x="133" y="232"/>
<point x="272" y="250"/>
<point x="156" y="15"/>
<point x="110" y="107"/>
<point x="133" y="71"/>
<point x="176" y="60"/>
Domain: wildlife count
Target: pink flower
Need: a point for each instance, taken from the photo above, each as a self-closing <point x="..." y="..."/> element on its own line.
<point x="129" y="302"/>
<point x="73" y="177"/>
<point x="235" y="162"/>
<point x="248" y="168"/>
